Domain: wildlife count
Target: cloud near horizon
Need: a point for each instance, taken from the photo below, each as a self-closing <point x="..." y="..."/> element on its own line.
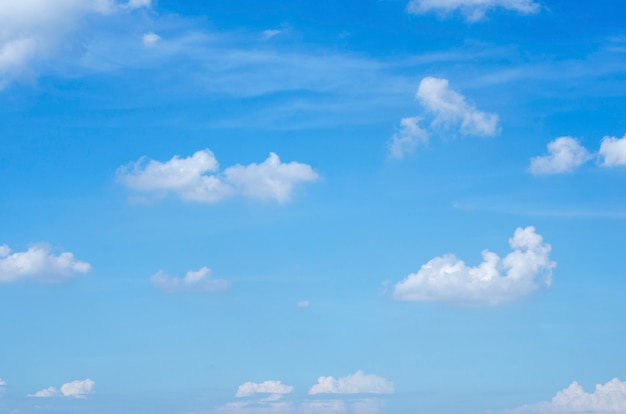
<point x="74" y="389"/>
<point x="199" y="280"/>
<point x="494" y="281"/>
<point x="196" y="178"/>
<point x="473" y="10"/>
<point x="39" y="263"/>
<point x="357" y="383"/>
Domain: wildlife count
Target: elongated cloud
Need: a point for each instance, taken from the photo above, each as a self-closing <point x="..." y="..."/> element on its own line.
<point x="451" y="110"/>
<point x="357" y="383"/>
<point x="564" y="155"/>
<point x="34" y="30"/>
<point x="74" y="389"/>
<point x="473" y="10"/>
<point x="494" y="281"/>
<point x="407" y="138"/>
<point x="39" y="263"/>
<point x="266" y="387"/>
<point x="199" y="280"/>
<point x="196" y="178"/>
<point x="605" y="399"/>
<point x="613" y="151"/>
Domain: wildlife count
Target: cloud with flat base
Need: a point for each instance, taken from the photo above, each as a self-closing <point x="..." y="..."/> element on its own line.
<point x="473" y="10"/>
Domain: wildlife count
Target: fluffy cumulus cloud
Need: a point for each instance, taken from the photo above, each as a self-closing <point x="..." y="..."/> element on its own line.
<point x="605" y="399"/>
<point x="267" y="387"/>
<point x="357" y="383"/>
<point x="564" y="155"/>
<point x="613" y="151"/>
<point x="196" y="178"/>
<point x="74" y="389"/>
<point x="451" y="110"/>
<point x="408" y="137"/>
<point x="199" y="280"/>
<point x="473" y="10"/>
<point x="34" y="30"/>
<point x="39" y="263"/>
<point x="496" y="280"/>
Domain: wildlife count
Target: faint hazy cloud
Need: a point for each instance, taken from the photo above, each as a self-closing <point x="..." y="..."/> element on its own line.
<point x="407" y="138"/>
<point x="494" y="281"/>
<point x="150" y="39"/>
<point x="268" y="34"/>
<point x="357" y="383"/>
<point x="613" y="151"/>
<point x="195" y="178"/>
<point x="473" y="10"/>
<point x="39" y="263"/>
<point x="607" y="398"/>
<point x="199" y="280"/>
<point x="303" y="304"/>
<point x="564" y="155"/>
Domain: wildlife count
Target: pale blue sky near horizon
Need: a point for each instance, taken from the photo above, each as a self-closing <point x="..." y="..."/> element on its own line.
<point x="154" y="257"/>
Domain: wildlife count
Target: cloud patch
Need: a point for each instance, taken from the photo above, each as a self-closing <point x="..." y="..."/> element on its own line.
<point x="39" y="263"/>
<point x="613" y="151"/>
<point x="408" y="137"/>
<point x="473" y="10"/>
<point x="267" y="387"/>
<point x="196" y="178"/>
<point x="564" y="155"/>
<point x="496" y="280"/>
<point x="607" y="398"/>
<point x="357" y="383"/>
<point x="199" y="280"/>
<point x="74" y="389"/>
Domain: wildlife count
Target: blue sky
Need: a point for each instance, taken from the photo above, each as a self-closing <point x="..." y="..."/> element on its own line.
<point x="374" y="206"/>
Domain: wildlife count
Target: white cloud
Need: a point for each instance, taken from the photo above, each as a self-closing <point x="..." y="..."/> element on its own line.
<point x="357" y="383"/>
<point x="495" y="280"/>
<point x="607" y="398"/>
<point x="407" y="138"/>
<point x="190" y="179"/>
<point x="199" y="280"/>
<point x="473" y="10"/>
<point x="150" y="39"/>
<point x="613" y="151"/>
<point x="3" y="383"/>
<point x="39" y="263"/>
<point x="268" y="34"/>
<point x="33" y="30"/>
<point x="564" y="155"/>
<point x="452" y="111"/>
<point x="267" y="387"/>
<point x="303" y="304"/>
<point x="74" y="389"/>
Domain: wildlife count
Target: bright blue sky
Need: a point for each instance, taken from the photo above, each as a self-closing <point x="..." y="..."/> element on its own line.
<point x="280" y="207"/>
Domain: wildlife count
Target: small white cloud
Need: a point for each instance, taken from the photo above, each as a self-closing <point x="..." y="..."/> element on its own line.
<point x="613" y="151"/>
<point x="473" y="10"/>
<point x="407" y="138"/>
<point x="267" y="387"/>
<point x="74" y="389"/>
<point x="199" y="280"/>
<point x="494" y="281"/>
<point x="268" y="34"/>
<point x="607" y="398"/>
<point x="150" y="39"/>
<point x="303" y="304"/>
<point x="2" y="383"/>
<point x="39" y="263"/>
<point x="452" y="111"/>
<point x="195" y="178"/>
<point x="564" y="155"/>
<point x="357" y="383"/>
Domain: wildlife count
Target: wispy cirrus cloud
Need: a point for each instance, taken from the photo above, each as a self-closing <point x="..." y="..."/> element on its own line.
<point x="473" y="10"/>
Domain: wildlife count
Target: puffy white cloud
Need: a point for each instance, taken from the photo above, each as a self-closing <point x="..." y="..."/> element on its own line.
<point x="32" y="30"/>
<point x="150" y="39"/>
<point x="473" y="10"/>
<point x="564" y="155"/>
<point x="407" y="138"/>
<point x="357" y="383"/>
<point x="192" y="180"/>
<point x="267" y="387"/>
<point x="39" y="263"/>
<point x="495" y="280"/>
<point x="74" y="389"/>
<point x="607" y="398"/>
<point x="452" y="111"/>
<point x="613" y="151"/>
<point x="199" y="280"/>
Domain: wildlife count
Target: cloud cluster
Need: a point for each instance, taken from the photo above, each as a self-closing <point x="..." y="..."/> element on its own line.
<point x="607" y="398"/>
<point x="494" y="281"/>
<point x="39" y="263"/>
<point x="74" y="389"/>
<point x="565" y="154"/>
<point x="473" y="10"/>
<point x="357" y="383"/>
<point x="33" y="30"/>
<point x="196" y="178"/>
<point x="450" y="111"/>
<point x="199" y="280"/>
<point x="267" y="387"/>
